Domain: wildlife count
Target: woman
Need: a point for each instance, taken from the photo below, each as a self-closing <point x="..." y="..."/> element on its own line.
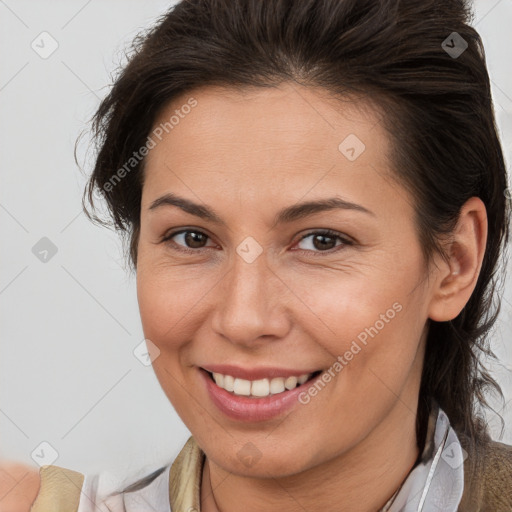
<point x="315" y="199"/>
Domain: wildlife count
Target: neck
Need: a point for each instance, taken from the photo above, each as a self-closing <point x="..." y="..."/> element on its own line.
<point x="362" y="479"/>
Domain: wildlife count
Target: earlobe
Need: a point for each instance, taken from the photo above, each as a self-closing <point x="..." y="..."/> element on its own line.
<point x="457" y="277"/>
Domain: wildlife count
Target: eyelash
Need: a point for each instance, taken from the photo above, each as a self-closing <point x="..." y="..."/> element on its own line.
<point x="324" y="232"/>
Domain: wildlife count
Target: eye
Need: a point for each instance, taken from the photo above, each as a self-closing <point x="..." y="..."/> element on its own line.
<point x="323" y="241"/>
<point x="186" y="240"/>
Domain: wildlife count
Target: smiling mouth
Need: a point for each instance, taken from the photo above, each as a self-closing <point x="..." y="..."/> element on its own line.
<point x="260" y="388"/>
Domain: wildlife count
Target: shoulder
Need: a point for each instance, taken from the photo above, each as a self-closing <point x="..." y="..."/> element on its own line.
<point x="498" y="475"/>
<point x="487" y="476"/>
<point x="500" y="452"/>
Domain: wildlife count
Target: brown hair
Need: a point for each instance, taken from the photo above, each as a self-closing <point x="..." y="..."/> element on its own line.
<point x="438" y="113"/>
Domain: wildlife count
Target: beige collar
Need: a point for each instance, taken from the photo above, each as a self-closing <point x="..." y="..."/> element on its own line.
<point x="185" y="478"/>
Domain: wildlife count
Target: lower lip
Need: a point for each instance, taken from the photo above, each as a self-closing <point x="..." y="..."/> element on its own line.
<point x="243" y="408"/>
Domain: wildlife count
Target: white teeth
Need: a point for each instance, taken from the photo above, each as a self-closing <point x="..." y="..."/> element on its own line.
<point x="258" y="388"/>
<point x="229" y="383"/>
<point x="219" y="379"/>
<point x="242" y="387"/>
<point x="302" y="379"/>
<point x="277" y="385"/>
<point x="290" y="383"/>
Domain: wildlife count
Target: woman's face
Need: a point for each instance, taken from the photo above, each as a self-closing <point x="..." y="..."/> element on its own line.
<point x="247" y="284"/>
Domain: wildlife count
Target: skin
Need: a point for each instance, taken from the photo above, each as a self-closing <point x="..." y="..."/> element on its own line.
<point x="246" y="155"/>
<point x="19" y="485"/>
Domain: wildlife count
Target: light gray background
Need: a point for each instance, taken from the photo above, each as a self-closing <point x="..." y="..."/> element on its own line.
<point x="69" y="326"/>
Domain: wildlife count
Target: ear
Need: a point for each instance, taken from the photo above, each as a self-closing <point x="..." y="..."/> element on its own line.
<point x="457" y="277"/>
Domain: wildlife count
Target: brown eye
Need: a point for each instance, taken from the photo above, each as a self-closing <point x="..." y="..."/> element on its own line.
<point x="324" y="241"/>
<point x="187" y="240"/>
<point x="194" y="239"/>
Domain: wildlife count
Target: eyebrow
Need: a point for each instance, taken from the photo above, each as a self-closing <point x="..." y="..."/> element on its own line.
<point x="286" y="215"/>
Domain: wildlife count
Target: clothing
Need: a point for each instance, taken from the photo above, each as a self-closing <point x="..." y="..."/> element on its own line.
<point x="450" y="476"/>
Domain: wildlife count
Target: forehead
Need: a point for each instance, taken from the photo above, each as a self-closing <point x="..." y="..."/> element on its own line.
<point x="273" y="140"/>
<point x="292" y="112"/>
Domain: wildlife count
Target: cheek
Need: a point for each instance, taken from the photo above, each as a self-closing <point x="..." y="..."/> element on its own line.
<point x="341" y="306"/>
<point x="169" y="299"/>
<point x="371" y="330"/>
<point x="166" y="305"/>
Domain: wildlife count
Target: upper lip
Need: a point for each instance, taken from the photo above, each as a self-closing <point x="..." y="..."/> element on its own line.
<point x="267" y="372"/>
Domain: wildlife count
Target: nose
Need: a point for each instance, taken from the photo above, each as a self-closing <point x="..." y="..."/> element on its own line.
<point x="250" y="305"/>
